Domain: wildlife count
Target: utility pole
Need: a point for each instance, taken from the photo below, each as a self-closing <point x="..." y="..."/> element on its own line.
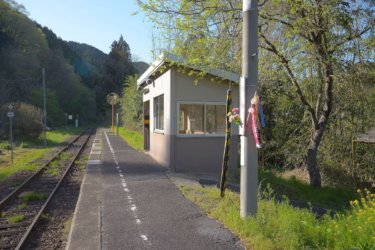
<point x="248" y="86"/>
<point x="117" y="122"/>
<point x="44" y="112"/>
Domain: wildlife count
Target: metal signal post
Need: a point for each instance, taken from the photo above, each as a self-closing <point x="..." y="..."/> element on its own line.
<point x="113" y="99"/>
<point x="117" y="122"/>
<point x="11" y="115"/>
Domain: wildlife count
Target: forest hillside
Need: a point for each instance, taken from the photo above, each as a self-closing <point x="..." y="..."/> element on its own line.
<point x="77" y="76"/>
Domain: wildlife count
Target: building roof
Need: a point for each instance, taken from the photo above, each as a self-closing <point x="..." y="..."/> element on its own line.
<point x="369" y="137"/>
<point x="168" y="58"/>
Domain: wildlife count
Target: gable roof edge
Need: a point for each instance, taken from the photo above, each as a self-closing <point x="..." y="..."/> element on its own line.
<point x="164" y="57"/>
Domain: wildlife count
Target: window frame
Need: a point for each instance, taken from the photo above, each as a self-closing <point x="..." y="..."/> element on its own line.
<point x="158" y="130"/>
<point x="205" y="135"/>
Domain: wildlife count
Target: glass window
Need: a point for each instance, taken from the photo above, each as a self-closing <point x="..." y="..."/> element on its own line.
<point x="191" y="119"/>
<point x="159" y="112"/>
<point x="201" y="119"/>
<point x="215" y="119"/>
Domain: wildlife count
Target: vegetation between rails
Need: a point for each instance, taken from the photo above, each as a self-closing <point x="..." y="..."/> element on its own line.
<point x="280" y="226"/>
<point x="16" y="218"/>
<point x="32" y="196"/>
<point x="133" y="138"/>
<point x="22" y="206"/>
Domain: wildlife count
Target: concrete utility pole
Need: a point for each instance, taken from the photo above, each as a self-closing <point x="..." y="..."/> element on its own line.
<point x="248" y="86"/>
<point x="44" y="112"/>
<point x="117" y="123"/>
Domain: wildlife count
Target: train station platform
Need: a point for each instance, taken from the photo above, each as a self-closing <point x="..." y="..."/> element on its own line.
<point x="127" y="201"/>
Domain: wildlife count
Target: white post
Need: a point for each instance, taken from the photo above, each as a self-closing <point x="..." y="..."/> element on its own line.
<point x="77" y="121"/>
<point x="248" y="86"/>
<point x="11" y="138"/>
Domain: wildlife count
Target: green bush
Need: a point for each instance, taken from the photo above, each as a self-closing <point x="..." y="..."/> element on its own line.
<point x="27" y="121"/>
<point x="351" y="230"/>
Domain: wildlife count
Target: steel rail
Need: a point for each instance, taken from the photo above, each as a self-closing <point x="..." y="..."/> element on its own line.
<point x="37" y="217"/>
<point x="18" y="190"/>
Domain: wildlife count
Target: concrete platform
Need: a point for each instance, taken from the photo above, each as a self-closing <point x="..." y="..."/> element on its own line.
<point x="127" y="201"/>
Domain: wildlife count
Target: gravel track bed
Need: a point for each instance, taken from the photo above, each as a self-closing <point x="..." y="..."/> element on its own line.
<point x="42" y="187"/>
<point x="52" y="231"/>
<point x="7" y="186"/>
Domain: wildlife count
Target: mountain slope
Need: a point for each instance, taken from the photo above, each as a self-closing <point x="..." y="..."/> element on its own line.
<point x="140" y="67"/>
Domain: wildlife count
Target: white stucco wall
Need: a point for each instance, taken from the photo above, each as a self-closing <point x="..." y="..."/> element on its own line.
<point x="160" y="140"/>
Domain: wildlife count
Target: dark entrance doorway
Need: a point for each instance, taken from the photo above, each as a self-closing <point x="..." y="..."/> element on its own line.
<point x="146" y="125"/>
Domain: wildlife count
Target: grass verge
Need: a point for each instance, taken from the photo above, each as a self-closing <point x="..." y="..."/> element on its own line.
<point x="280" y="226"/>
<point x="294" y="189"/>
<point x="328" y="197"/>
<point x="133" y="138"/>
<point x="30" y="150"/>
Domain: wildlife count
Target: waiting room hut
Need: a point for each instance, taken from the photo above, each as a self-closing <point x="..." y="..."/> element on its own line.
<point x="184" y="120"/>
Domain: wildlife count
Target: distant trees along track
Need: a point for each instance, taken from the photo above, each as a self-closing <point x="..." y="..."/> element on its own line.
<point x="21" y="210"/>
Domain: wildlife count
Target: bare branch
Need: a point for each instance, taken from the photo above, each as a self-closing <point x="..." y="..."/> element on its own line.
<point x="278" y="20"/>
<point x="352" y="36"/>
<point x="180" y="11"/>
<point x="272" y="48"/>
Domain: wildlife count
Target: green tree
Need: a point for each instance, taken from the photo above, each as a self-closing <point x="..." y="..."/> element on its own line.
<point x="55" y="116"/>
<point x="26" y="48"/>
<point x="22" y="46"/>
<point x="118" y="66"/>
<point x="132" y="103"/>
<point x="317" y="34"/>
<point x="308" y="40"/>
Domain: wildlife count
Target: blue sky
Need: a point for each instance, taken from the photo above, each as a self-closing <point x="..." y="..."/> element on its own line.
<point x="95" y="22"/>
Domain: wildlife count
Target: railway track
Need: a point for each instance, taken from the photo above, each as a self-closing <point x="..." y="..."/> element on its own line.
<point x="21" y="210"/>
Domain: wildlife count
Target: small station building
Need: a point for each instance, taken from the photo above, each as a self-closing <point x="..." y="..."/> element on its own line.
<point x="185" y="120"/>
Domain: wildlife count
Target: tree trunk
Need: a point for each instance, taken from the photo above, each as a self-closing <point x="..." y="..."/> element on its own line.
<point x="320" y="126"/>
<point x="312" y="152"/>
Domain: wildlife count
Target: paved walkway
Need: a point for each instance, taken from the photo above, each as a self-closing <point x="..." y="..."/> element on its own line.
<point x="128" y="202"/>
